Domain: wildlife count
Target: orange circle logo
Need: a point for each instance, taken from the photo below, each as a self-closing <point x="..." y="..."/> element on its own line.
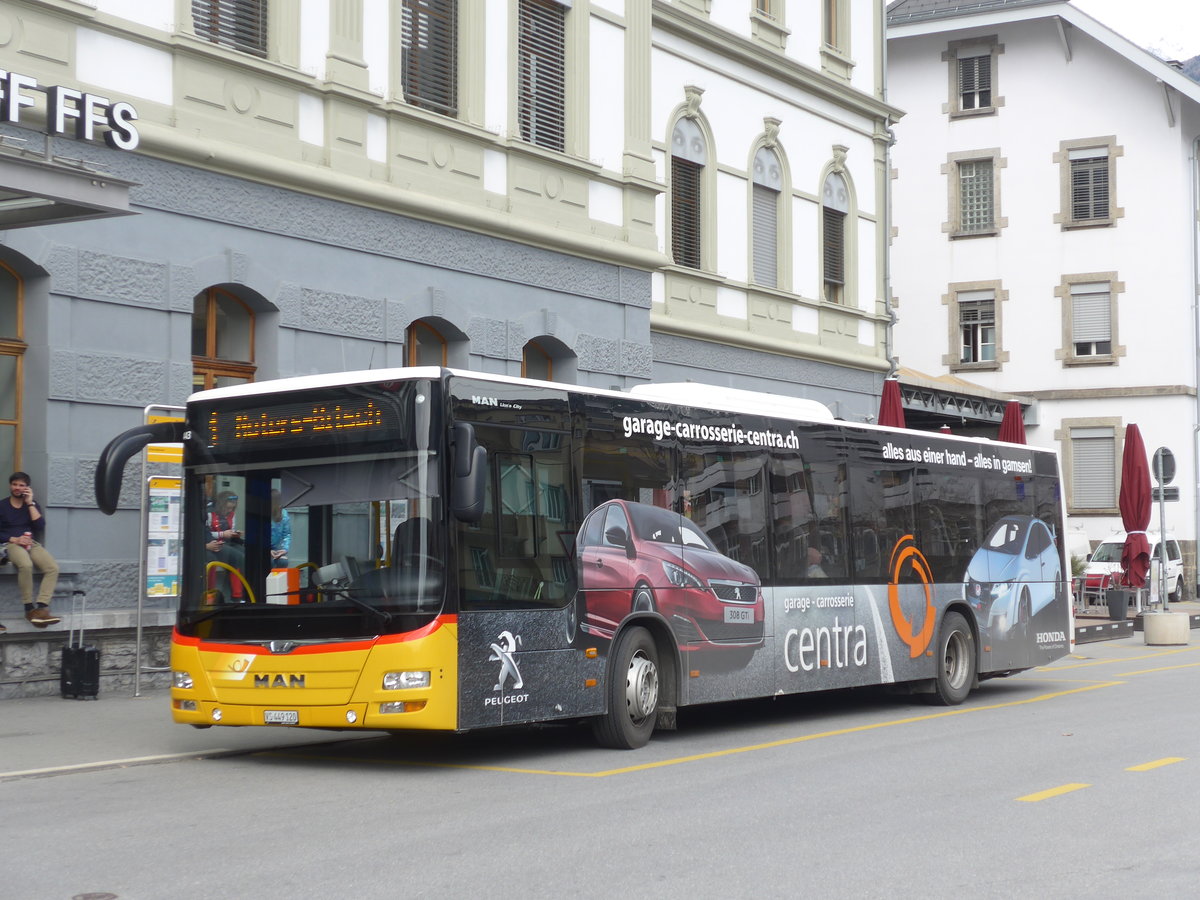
<point x="907" y="560"/>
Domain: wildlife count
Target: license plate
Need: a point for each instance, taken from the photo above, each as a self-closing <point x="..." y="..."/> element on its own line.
<point x="739" y="615"/>
<point x="281" y="717"/>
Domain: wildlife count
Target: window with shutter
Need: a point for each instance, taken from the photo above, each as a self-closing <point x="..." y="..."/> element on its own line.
<point x="976" y="196"/>
<point x="1089" y="185"/>
<point x="1093" y="468"/>
<point x="975" y="82"/>
<point x="767" y="188"/>
<point x="1091" y="319"/>
<point x="429" y="54"/>
<point x="240" y="24"/>
<point x="689" y="155"/>
<point x="835" y="203"/>
<point x="541" y="51"/>
<point x="977" y="323"/>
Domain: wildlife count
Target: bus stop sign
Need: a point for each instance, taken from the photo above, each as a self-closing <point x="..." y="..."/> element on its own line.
<point x="1164" y="465"/>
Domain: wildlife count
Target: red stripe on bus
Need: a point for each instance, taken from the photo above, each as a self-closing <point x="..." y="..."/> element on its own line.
<point x="422" y="632"/>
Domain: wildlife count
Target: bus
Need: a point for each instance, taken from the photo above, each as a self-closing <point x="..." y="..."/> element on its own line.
<point x="471" y="550"/>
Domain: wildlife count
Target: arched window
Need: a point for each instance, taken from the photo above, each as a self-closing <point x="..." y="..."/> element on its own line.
<point x="222" y="340"/>
<point x="426" y="345"/>
<point x="689" y="155"/>
<point x="835" y="204"/>
<point x="536" y="362"/>
<point x="767" y="188"/>
<point x="12" y="368"/>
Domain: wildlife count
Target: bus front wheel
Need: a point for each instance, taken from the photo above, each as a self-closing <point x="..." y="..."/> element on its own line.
<point x="955" y="661"/>
<point x="632" y="693"/>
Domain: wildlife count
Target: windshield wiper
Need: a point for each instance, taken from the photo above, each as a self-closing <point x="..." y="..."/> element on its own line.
<point x="346" y="592"/>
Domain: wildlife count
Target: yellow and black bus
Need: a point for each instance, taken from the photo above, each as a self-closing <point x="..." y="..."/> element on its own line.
<point x="426" y="548"/>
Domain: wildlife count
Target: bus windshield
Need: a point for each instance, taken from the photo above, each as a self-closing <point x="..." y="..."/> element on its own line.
<point x="326" y="548"/>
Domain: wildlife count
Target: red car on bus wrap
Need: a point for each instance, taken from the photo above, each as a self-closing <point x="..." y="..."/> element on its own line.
<point x="633" y="556"/>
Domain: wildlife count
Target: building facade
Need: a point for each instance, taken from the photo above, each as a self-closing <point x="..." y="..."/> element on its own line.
<point x="1046" y="190"/>
<point x="607" y="192"/>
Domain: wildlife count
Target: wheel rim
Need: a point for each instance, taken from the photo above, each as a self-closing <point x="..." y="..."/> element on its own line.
<point x="641" y="688"/>
<point x="955" y="661"/>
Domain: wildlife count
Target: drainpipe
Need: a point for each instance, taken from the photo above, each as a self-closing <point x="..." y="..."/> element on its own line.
<point x="1194" y="214"/>
<point x="893" y="362"/>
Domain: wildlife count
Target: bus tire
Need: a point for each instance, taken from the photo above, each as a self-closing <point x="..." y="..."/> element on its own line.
<point x="955" y="661"/>
<point x="633" y="693"/>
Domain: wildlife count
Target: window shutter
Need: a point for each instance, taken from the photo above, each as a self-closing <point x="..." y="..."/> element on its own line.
<point x="1091" y="313"/>
<point x="1089" y="188"/>
<point x="240" y="24"/>
<point x="541" y="48"/>
<point x="1093" y="464"/>
<point x="835" y="246"/>
<point x="978" y="312"/>
<point x="975" y="81"/>
<point x="685" y="212"/>
<point x="429" y="48"/>
<point x="766" y="236"/>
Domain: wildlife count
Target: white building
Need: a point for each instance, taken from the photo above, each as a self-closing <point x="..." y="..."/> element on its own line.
<point x="1045" y="190"/>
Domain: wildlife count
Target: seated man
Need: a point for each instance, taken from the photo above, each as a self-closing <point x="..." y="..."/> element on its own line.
<point x="21" y="519"/>
<point x="225" y="546"/>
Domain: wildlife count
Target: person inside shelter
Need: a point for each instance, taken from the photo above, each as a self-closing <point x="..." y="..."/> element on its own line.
<point x="225" y="545"/>
<point x="22" y="524"/>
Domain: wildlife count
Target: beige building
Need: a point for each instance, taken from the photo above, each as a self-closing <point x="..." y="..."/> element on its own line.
<point x="606" y="192"/>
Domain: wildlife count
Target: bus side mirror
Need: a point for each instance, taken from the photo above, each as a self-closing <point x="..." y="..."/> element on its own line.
<point x="111" y="466"/>
<point x="470" y="475"/>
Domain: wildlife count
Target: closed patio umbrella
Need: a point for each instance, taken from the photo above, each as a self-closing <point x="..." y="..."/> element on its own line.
<point x="1134" y="502"/>
<point x="891" y="406"/>
<point x="1012" y="426"/>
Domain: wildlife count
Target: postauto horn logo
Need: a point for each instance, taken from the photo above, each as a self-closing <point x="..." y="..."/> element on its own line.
<point x="906" y="563"/>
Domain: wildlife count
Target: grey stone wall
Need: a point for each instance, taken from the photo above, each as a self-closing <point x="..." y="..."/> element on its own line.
<point x="30" y="664"/>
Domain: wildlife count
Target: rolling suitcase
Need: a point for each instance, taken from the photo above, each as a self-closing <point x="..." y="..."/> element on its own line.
<point x="80" y="676"/>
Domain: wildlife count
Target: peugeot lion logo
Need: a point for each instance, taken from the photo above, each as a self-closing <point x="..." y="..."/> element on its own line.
<point x="502" y="653"/>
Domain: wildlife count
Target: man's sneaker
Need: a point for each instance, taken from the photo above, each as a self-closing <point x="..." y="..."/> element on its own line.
<point x="40" y="617"/>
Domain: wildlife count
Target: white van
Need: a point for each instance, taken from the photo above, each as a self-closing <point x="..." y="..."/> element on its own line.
<point x="1106" y="561"/>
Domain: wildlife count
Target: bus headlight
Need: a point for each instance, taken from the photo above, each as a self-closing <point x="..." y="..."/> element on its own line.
<point x="398" y="681"/>
<point x="182" y="680"/>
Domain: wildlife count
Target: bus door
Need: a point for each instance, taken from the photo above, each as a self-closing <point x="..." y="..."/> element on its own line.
<point x="517" y="622"/>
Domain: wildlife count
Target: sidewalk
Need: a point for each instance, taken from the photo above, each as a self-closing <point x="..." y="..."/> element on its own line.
<point x="1094" y="624"/>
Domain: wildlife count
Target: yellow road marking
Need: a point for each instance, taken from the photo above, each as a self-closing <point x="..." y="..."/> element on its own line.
<point x="1165" y="761"/>
<point x="1161" y="669"/>
<point x="1089" y="663"/>
<point x="1053" y="792"/>
<point x="731" y="751"/>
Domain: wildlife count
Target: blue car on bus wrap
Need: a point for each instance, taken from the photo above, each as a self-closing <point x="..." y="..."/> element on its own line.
<point x="1014" y="575"/>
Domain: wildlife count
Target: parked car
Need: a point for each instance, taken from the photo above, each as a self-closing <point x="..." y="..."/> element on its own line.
<point x="633" y="556"/>
<point x="1014" y="575"/>
<point x="1105" y="565"/>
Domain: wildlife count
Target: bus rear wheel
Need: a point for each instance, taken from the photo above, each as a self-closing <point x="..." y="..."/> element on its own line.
<point x="633" y="691"/>
<point x="956" y="661"/>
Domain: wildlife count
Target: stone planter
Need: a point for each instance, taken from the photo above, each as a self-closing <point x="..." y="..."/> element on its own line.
<point x="1168" y="628"/>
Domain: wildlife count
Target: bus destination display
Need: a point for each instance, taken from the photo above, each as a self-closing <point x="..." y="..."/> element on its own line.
<point x="290" y="423"/>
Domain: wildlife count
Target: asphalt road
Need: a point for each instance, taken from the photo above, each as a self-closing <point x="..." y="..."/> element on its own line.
<point x="1078" y="780"/>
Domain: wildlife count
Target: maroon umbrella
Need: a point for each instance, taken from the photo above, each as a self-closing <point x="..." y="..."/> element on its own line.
<point x="1135" y="508"/>
<point x="891" y="406"/>
<point x="1012" y="426"/>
